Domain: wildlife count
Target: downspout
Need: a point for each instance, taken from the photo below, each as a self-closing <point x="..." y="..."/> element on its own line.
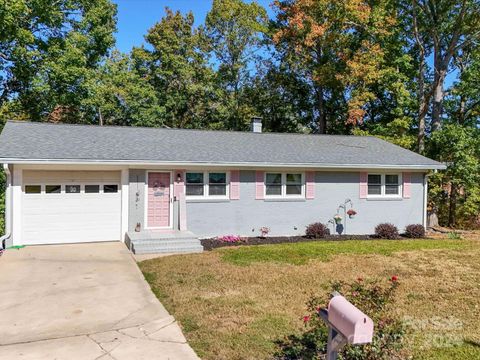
<point x="8" y="208"/>
<point x="425" y="199"/>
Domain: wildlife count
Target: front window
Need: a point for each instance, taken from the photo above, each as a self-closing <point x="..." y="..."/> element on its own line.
<point x="273" y="184"/>
<point x="194" y="184"/>
<point x="284" y="185"/>
<point x="206" y="184"/>
<point x="384" y="185"/>
<point x="217" y="184"/>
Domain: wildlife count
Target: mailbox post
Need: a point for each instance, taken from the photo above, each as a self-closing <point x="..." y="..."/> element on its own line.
<point x="346" y="325"/>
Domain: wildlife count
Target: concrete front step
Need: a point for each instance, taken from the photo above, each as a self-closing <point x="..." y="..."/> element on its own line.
<point x="164" y="243"/>
<point x="142" y="249"/>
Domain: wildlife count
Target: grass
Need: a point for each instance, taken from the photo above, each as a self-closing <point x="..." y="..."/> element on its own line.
<point x="236" y="303"/>
<point x="300" y="253"/>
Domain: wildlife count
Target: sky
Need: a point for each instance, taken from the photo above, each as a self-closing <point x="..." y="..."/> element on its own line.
<point x="135" y="17"/>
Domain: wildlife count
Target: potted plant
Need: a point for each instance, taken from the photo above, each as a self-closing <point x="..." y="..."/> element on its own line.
<point x="338" y="219"/>
<point x="351" y="213"/>
<point x="264" y="232"/>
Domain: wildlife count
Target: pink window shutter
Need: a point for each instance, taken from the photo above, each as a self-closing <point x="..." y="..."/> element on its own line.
<point x="310" y="185"/>
<point x="178" y="186"/>
<point x="363" y="185"/>
<point x="407" y="185"/>
<point x="259" y="185"/>
<point x="234" y="185"/>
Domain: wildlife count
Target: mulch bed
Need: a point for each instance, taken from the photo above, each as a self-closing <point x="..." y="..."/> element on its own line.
<point x="210" y="244"/>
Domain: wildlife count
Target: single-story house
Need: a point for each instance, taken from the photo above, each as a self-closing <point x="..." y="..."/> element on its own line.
<point x="153" y="187"/>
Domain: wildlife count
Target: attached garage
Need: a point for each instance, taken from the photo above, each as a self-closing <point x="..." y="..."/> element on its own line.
<point x="70" y="206"/>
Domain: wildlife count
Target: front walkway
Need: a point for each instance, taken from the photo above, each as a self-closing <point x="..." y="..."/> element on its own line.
<point x="82" y="301"/>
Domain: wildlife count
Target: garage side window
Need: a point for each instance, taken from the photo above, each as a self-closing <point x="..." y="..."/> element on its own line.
<point x="33" y="189"/>
<point x="108" y="189"/>
<point x="72" y="189"/>
<point x="53" y="189"/>
<point x="92" y="189"/>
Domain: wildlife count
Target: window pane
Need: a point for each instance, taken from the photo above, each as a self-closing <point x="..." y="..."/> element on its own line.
<point x="374" y="190"/>
<point x="217" y="190"/>
<point x="194" y="190"/>
<point x="375" y="179"/>
<point x="194" y="178"/>
<point x="274" y="190"/>
<point x="92" y="189"/>
<point x="391" y="179"/>
<point x="294" y="189"/>
<point x="72" y="189"/>
<point x="391" y="190"/>
<point x="274" y="179"/>
<point x="110" y="189"/>
<point x="217" y="178"/>
<point x="33" y="189"/>
<point x="53" y="189"/>
<point x="294" y="179"/>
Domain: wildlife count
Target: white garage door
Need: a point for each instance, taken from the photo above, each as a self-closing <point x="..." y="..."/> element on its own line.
<point x="70" y="206"/>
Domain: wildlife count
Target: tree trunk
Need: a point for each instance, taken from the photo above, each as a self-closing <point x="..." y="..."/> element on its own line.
<point x="322" y="116"/>
<point x="452" y="209"/>
<point x="422" y="103"/>
<point x="438" y="94"/>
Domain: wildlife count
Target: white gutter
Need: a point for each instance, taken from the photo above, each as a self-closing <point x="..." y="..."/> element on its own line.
<point x="233" y="164"/>
<point x="8" y="207"/>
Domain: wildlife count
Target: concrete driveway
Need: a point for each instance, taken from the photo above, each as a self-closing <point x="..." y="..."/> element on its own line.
<point x="82" y="301"/>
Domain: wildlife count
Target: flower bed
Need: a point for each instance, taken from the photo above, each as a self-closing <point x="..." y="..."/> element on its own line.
<point x="213" y="243"/>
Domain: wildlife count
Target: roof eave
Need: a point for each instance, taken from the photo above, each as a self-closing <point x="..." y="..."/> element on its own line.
<point x="438" y="166"/>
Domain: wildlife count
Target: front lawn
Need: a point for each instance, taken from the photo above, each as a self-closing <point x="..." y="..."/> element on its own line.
<point x="235" y="303"/>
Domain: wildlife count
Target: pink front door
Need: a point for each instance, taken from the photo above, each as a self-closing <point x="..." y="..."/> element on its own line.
<point x="158" y="210"/>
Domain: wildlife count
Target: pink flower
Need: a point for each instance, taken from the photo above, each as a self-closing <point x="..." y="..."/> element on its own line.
<point x="306" y="319"/>
<point x="394" y="278"/>
<point x="318" y="309"/>
<point x="355" y="293"/>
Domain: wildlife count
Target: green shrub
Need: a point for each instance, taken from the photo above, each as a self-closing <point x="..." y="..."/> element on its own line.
<point x="375" y="299"/>
<point x="453" y="235"/>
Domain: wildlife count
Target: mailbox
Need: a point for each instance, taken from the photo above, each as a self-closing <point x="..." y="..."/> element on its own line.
<point x="354" y="325"/>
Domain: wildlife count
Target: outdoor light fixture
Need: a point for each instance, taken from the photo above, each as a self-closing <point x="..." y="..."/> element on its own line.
<point x="179" y="177"/>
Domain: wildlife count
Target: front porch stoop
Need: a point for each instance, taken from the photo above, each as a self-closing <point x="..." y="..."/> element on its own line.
<point x="157" y="242"/>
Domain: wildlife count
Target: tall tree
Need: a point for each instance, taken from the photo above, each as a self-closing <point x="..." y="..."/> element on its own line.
<point x="120" y="96"/>
<point x="47" y="52"/>
<point x="176" y="66"/>
<point x="234" y="30"/>
<point x="338" y="47"/>
<point x="442" y="28"/>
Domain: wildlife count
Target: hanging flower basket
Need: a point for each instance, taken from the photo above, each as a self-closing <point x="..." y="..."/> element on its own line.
<point x="351" y="213"/>
<point x="338" y="219"/>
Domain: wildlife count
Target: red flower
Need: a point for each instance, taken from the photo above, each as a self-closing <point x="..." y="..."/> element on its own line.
<point x="359" y="279"/>
<point x="318" y="308"/>
<point x="394" y="278"/>
<point x="306" y="318"/>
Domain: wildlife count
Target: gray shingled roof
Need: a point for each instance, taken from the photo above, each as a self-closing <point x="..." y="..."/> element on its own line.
<point x="29" y="142"/>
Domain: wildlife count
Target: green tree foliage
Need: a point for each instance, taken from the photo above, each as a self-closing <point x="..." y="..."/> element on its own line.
<point x="234" y="32"/>
<point x="176" y="67"/>
<point x="456" y="191"/>
<point x="120" y="96"/>
<point x="48" y="52"/>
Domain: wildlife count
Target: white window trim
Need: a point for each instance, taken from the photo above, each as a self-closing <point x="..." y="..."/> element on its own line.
<point x="206" y="186"/>
<point x="284" y="185"/>
<point x="383" y="195"/>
